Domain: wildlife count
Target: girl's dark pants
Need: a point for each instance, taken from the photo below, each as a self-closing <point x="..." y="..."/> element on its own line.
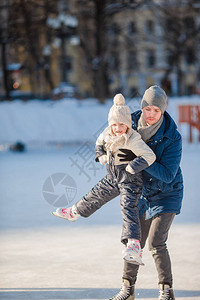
<point x="156" y="229"/>
<point x="117" y="182"/>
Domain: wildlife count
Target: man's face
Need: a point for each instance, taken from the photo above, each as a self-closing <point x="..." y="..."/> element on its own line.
<point x="151" y="114"/>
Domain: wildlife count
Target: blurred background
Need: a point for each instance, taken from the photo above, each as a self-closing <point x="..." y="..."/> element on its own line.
<point x="96" y="48"/>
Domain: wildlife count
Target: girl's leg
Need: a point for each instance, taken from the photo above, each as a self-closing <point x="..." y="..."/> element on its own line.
<point x="104" y="191"/>
<point x="130" y="195"/>
<point x="130" y="270"/>
<point x="130" y="215"/>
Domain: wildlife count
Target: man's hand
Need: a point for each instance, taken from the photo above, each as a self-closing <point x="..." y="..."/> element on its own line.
<point x="129" y="170"/>
<point x="127" y="155"/>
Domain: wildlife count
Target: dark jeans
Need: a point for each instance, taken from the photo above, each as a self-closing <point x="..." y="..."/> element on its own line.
<point x="156" y="230"/>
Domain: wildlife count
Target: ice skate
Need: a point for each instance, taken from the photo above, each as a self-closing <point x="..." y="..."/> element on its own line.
<point x="133" y="252"/>
<point x="69" y="214"/>
<point x="165" y="292"/>
<point x="126" y="292"/>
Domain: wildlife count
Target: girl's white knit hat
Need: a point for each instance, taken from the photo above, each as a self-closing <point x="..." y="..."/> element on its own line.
<point x="119" y="112"/>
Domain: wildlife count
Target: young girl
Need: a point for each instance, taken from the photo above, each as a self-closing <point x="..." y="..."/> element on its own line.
<point x="123" y="178"/>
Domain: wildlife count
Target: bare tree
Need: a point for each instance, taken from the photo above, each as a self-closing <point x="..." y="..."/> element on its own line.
<point x="95" y="17"/>
<point x="181" y="34"/>
<point x="5" y="40"/>
<point x="24" y="26"/>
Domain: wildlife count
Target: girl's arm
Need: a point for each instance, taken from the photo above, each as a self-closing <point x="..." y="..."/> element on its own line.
<point x="145" y="156"/>
<point x="99" y="148"/>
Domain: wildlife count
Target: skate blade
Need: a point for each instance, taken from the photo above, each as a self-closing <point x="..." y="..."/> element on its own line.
<point x="55" y="214"/>
<point x="131" y="260"/>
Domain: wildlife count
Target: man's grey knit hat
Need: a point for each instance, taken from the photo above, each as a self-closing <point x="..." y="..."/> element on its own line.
<point x="155" y="96"/>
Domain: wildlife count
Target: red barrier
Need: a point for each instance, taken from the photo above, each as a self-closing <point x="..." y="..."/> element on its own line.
<point x="190" y="114"/>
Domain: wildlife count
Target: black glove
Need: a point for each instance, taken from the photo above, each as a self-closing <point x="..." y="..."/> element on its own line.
<point x="127" y="155"/>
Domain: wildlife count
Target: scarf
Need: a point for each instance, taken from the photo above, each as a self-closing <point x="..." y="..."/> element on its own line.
<point x="113" y="142"/>
<point x="147" y="131"/>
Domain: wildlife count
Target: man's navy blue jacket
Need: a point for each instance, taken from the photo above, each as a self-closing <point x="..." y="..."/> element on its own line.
<point x="162" y="181"/>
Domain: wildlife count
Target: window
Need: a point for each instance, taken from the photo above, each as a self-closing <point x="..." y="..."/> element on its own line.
<point x="113" y="61"/>
<point x="190" y="56"/>
<point x="149" y="27"/>
<point x="169" y="57"/>
<point x="63" y="6"/>
<point x="114" y="29"/>
<point x="195" y="4"/>
<point x="131" y="28"/>
<point x="189" y="90"/>
<point x="130" y="1"/>
<point x="151" y="58"/>
<point x="189" y="24"/>
<point x="68" y="63"/>
<point x="132" y="60"/>
<point x="170" y="24"/>
<point x="133" y="91"/>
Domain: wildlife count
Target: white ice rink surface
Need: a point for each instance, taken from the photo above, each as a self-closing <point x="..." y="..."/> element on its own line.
<point x="44" y="257"/>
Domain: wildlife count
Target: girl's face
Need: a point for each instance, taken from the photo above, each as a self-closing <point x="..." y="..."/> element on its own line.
<point x="119" y="128"/>
<point x="151" y="114"/>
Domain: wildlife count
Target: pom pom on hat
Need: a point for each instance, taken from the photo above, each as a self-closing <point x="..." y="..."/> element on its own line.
<point x="119" y="112"/>
<point x="119" y="99"/>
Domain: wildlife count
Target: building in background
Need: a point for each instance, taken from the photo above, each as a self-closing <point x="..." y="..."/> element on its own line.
<point x="156" y="44"/>
<point x="95" y="49"/>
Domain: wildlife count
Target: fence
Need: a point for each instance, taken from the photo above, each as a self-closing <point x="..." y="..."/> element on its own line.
<point x="190" y="114"/>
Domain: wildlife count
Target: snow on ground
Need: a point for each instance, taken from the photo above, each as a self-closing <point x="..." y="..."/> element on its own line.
<point x="44" y="257"/>
<point x="67" y="120"/>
